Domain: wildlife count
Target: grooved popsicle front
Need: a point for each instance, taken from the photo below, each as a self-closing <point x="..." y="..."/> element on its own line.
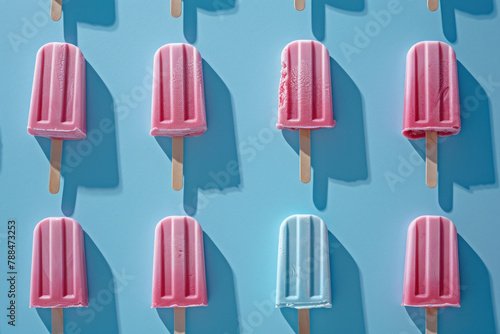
<point x="58" y="273"/>
<point x="179" y="264"/>
<point x="431" y="270"/>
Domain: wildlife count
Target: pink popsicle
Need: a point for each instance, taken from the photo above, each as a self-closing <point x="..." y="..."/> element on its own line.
<point x="432" y="106"/>
<point x="179" y="266"/>
<point x="58" y="270"/>
<point x="58" y="100"/>
<point x="178" y="107"/>
<point x="431" y="277"/>
<point x="305" y="95"/>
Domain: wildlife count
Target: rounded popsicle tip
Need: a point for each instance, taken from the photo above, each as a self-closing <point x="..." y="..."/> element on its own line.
<point x="173" y="46"/>
<point x="420" y="45"/>
<point x="58" y="221"/>
<point x="56" y="46"/>
<point x="295" y="45"/>
<point x="302" y="217"/>
<point x="432" y="220"/>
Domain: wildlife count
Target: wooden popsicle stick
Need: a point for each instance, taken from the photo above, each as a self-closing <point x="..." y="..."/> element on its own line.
<point x="175" y="8"/>
<point x="300" y="5"/>
<point x="179" y="320"/>
<point x="305" y="155"/>
<point x="304" y="321"/>
<point x="57" y="321"/>
<point x="177" y="162"/>
<point x="55" y="165"/>
<point x="431" y="321"/>
<point x="431" y="151"/>
<point x="433" y="5"/>
<point x="56" y="9"/>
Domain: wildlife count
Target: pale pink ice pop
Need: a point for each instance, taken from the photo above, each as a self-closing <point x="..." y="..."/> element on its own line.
<point x="58" y="97"/>
<point x="179" y="279"/>
<point x="305" y="95"/>
<point x="179" y="264"/>
<point x="432" y="106"/>
<point x="431" y="277"/>
<point x="58" y="101"/>
<point x="178" y="108"/>
<point x="58" y="271"/>
<point x="431" y="93"/>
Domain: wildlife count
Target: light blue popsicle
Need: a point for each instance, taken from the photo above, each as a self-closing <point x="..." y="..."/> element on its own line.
<point x="303" y="264"/>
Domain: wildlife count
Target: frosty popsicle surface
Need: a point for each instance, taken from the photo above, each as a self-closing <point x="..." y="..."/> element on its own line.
<point x="179" y="279"/>
<point x="178" y="108"/>
<point x="303" y="264"/>
<point x="58" y="271"/>
<point x="431" y="277"/>
<point x="305" y="94"/>
<point x="431" y="92"/>
<point x="58" y="101"/>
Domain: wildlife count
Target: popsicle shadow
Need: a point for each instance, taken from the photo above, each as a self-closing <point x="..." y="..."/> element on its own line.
<point x="467" y="159"/>
<point x="338" y="153"/>
<point x="211" y="161"/>
<point x="353" y="7"/>
<point x="347" y="314"/>
<point x="101" y="316"/>
<point x="217" y="8"/>
<point x="221" y="314"/>
<point x="477" y="313"/>
<point x="100" y="13"/>
<point x="482" y="8"/>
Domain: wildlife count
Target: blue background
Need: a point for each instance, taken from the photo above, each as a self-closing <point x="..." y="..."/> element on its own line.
<point x="368" y="180"/>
